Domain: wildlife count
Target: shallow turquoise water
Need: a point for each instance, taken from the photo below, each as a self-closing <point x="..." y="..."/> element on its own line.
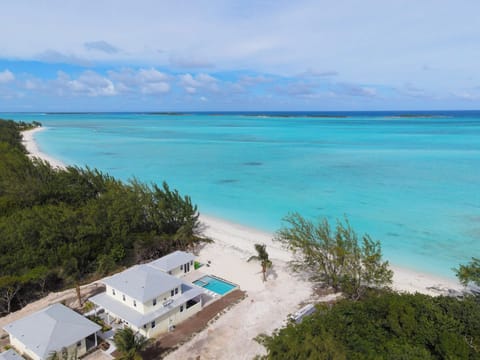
<point x="410" y="182"/>
<point x="214" y="284"/>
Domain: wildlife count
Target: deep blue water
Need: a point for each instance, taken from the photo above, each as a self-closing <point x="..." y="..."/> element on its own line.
<point x="411" y="182"/>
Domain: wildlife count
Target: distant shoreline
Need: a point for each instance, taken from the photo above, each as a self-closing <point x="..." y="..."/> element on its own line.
<point x="233" y="235"/>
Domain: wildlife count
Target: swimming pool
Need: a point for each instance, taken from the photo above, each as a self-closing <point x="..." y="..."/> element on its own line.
<point x="215" y="284"/>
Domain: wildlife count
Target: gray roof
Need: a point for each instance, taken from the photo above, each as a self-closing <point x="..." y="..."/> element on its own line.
<point x="51" y="329"/>
<point x="138" y="319"/>
<point x="10" y="355"/>
<point x="142" y="282"/>
<point x="172" y="261"/>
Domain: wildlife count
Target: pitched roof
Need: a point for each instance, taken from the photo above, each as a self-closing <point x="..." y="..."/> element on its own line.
<point x="51" y="329"/>
<point x="189" y="291"/>
<point x="10" y="355"/>
<point x="172" y="261"/>
<point x="142" y="282"/>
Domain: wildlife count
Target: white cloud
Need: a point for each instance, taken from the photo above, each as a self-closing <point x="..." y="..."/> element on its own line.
<point x="102" y="46"/>
<point x="146" y="81"/>
<point x="152" y="75"/>
<point x="53" y="56"/>
<point x="203" y="81"/>
<point x="156" y="88"/>
<point x="89" y="83"/>
<point x="6" y="76"/>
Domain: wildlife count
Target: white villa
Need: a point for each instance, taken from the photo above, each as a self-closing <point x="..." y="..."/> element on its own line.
<point x="51" y="330"/>
<point x="152" y="298"/>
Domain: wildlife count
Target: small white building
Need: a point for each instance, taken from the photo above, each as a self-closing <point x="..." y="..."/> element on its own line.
<point x="149" y="299"/>
<point x="177" y="263"/>
<point x="50" y="330"/>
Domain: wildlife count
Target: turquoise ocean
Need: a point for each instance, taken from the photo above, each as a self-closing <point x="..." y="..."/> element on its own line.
<point x="409" y="180"/>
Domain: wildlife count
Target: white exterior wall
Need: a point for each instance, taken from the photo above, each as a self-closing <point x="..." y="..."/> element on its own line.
<point x="179" y="272"/>
<point x="21" y="349"/>
<point x="172" y="318"/>
<point x="128" y="300"/>
<point x="143" y="308"/>
<point x="148" y="305"/>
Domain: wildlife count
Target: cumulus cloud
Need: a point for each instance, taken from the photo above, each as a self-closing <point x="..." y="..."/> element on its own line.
<point x="6" y="76"/>
<point x="53" y="56"/>
<point x="89" y="83"/>
<point x="146" y="81"/>
<point x="203" y="81"/>
<point x="101" y="46"/>
<point x="152" y="75"/>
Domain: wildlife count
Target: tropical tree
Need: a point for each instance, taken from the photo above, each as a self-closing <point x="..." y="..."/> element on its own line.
<point x="337" y="257"/>
<point x="469" y="273"/>
<point x="130" y="343"/>
<point x="262" y="257"/>
<point x="62" y="355"/>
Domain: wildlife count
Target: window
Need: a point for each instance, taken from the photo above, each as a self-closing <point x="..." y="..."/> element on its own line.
<point x="145" y="326"/>
<point x="170" y="272"/>
<point x="191" y="262"/>
<point x="153" y="324"/>
<point x="181" y="308"/>
<point x="123" y="297"/>
<point x="113" y="291"/>
<point x="181" y="267"/>
<point x="176" y="291"/>
<point x="79" y="344"/>
<point x="172" y="292"/>
<point x="134" y="303"/>
<point x="154" y="302"/>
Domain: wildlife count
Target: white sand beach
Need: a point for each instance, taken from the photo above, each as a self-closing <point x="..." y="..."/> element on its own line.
<point x="33" y="149"/>
<point x="267" y="304"/>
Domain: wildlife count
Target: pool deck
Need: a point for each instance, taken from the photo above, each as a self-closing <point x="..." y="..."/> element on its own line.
<point x="186" y="329"/>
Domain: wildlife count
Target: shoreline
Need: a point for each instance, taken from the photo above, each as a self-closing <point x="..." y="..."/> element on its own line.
<point x="34" y="151"/>
<point x="242" y="238"/>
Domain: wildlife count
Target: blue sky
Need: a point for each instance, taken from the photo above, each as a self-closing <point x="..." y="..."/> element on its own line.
<point x="145" y="55"/>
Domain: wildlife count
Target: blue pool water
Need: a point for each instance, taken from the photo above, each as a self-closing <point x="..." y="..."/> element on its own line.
<point x="410" y="182"/>
<point x="215" y="284"/>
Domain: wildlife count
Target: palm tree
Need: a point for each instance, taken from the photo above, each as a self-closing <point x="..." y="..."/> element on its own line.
<point x="130" y="343"/>
<point x="262" y="256"/>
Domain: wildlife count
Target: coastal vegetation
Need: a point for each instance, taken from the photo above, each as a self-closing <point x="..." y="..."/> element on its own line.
<point x="336" y="257"/>
<point x="469" y="273"/>
<point x="129" y="343"/>
<point x="383" y="325"/>
<point x="59" y="227"/>
<point x="370" y="321"/>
